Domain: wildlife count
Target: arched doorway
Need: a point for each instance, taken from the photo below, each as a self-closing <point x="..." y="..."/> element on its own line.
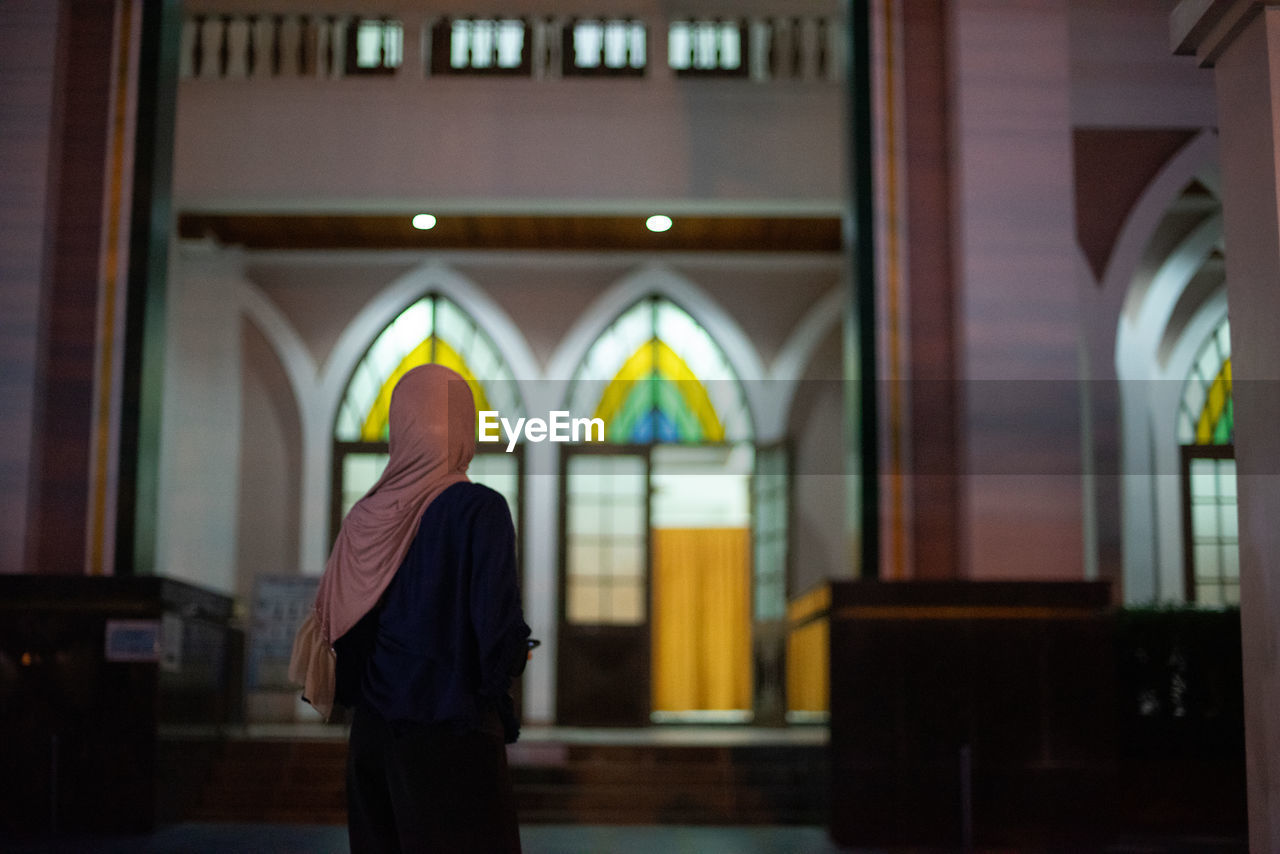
<point x="1172" y="306"/>
<point x="659" y="586"/>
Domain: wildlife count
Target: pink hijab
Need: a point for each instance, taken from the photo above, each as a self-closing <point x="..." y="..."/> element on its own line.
<point x="433" y="438"/>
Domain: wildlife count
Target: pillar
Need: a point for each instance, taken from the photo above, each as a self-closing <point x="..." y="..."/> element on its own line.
<point x="1015" y="305"/>
<point x="198" y="476"/>
<point x="55" y="106"/>
<point x="1241" y="42"/>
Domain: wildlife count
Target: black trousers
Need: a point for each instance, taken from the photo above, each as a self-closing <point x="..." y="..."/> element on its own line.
<point x="414" y="789"/>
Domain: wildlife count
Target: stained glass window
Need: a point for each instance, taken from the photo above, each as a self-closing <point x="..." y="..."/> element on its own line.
<point x="655" y="375"/>
<point x="431" y="330"/>
<point x="1206" y="415"/>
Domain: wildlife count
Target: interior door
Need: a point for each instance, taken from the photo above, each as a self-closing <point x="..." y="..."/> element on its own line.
<point x="603" y="668"/>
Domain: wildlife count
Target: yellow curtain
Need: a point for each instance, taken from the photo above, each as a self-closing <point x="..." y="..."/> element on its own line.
<point x="701" y="619"/>
<point x="807" y="681"/>
<point x="809" y="621"/>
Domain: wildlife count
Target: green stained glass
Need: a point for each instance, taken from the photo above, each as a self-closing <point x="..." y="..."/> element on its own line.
<point x="1205" y="412"/>
<point x="651" y="396"/>
<point x="1224" y="430"/>
<point x="656" y="375"/>
<point x="431" y="329"/>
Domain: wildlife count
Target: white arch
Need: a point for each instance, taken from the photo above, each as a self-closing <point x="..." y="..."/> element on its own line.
<point x="303" y="376"/>
<point x="299" y="367"/>
<point x="1141" y="337"/>
<point x="330" y="381"/>
<point x="387" y="305"/>
<point x="1150" y="389"/>
<point x="1144" y="218"/>
<point x="661" y="280"/>
<point x="1165" y="413"/>
<point x="794" y="357"/>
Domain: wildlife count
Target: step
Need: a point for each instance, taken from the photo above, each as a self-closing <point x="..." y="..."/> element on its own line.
<point x="304" y="781"/>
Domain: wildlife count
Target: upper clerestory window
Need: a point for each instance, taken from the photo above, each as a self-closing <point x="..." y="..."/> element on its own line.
<point x="374" y="46"/>
<point x="480" y="46"/>
<point x="605" y="47"/>
<point x="708" y="48"/>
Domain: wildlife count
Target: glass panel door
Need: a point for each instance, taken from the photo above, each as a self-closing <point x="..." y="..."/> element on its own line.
<point x="603" y="661"/>
<point x="1211" y="525"/>
<point x="605" y="540"/>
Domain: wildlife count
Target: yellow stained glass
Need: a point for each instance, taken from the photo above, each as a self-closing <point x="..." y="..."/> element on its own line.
<point x="652" y="357"/>
<point x="1215" y="406"/>
<point x="432" y="350"/>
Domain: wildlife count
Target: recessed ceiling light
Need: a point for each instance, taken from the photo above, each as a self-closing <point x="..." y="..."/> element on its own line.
<point x="658" y="222"/>
<point x="422" y="222"/>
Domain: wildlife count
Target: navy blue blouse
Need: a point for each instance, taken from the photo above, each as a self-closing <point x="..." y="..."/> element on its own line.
<point x="449" y="634"/>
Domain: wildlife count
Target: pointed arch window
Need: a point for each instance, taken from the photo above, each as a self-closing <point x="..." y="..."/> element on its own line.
<point x="1206" y="430"/>
<point x="1206" y="415"/>
<point x="431" y="330"/>
<point x="655" y="375"/>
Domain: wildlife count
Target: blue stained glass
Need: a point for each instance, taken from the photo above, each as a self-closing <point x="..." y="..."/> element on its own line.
<point x="657" y="426"/>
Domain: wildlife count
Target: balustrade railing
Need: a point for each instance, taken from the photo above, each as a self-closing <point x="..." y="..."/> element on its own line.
<point x="218" y="46"/>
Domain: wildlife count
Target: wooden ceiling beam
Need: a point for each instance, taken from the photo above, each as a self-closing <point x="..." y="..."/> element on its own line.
<point x="471" y="231"/>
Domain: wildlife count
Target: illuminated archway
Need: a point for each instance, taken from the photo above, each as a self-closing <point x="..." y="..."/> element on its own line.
<point x="1176" y="299"/>
<point x="432" y="329"/>
<point x="658" y="529"/>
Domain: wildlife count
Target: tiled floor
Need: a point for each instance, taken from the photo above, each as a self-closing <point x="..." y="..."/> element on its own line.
<point x="537" y="746"/>
<point x="556" y="839"/>
<point x="807" y="734"/>
<point x="537" y="839"/>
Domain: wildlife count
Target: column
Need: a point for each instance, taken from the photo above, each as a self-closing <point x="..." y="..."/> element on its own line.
<point x="55" y="141"/>
<point x="197" y="514"/>
<point x="28" y="42"/>
<point x="1241" y="42"/>
<point x="1015" y="309"/>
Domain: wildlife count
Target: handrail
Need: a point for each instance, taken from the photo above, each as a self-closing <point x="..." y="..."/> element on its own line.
<point x="239" y="46"/>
